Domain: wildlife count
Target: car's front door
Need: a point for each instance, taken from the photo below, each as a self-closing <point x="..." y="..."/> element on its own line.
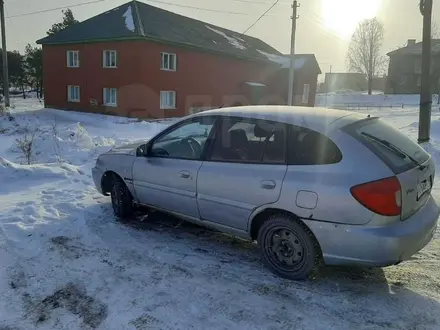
<point x="243" y="171"/>
<point x="166" y="177"/>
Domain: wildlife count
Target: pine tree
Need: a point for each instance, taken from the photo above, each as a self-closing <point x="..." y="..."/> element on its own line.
<point x="68" y="20"/>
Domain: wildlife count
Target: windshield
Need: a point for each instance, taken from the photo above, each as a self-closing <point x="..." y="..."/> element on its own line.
<point x="398" y="151"/>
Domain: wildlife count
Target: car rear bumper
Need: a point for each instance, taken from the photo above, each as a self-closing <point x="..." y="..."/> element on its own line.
<point x="379" y="245"/>
<point x="97" y="178"/>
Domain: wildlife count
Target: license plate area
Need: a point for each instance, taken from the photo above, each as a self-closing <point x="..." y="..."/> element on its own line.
<point x="424" y="187"/>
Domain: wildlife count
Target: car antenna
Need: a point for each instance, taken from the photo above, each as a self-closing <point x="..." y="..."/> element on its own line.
<point x="221" y="106"/>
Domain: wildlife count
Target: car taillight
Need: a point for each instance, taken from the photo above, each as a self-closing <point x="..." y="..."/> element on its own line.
<point x="383" y="197"/>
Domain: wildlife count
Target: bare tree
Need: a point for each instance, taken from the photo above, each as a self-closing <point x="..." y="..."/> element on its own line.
<point x="364" y="50"/>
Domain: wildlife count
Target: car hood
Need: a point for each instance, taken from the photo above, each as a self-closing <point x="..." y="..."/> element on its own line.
<point x="126" y="148"/>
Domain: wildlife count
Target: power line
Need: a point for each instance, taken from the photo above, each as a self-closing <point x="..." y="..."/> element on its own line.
<point x="259" y="18"/>
<point x="153" y="1"/>
<point x="257" y="2"/>
<point x="54" y="9"/>
<point x="319" y="21"/>
<point x="203" y="9"/>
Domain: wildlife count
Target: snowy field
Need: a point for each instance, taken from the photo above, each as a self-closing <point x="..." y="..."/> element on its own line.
<point x="66" y="263"/>
<point x="362" y="101"/>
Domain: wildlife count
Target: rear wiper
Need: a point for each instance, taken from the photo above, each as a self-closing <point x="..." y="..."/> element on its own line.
<point x="396" y="150"/>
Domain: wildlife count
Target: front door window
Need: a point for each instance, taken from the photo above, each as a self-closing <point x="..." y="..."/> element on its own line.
<point x="186" y="141"/>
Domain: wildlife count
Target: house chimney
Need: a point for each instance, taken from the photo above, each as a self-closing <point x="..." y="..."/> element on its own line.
<point x="411" y="42"/>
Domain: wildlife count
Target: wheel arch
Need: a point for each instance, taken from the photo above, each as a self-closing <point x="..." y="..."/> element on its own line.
<point x="107" y="180"/>
<point x="262" y="216"/>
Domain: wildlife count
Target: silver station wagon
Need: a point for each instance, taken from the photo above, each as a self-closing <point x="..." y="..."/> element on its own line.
<point x="307" y="184"/>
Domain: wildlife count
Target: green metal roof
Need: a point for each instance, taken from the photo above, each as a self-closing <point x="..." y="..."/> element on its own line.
<point x="138" y="21"/>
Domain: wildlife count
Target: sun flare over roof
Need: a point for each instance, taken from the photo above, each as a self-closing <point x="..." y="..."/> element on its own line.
<point x="342" y="16"/>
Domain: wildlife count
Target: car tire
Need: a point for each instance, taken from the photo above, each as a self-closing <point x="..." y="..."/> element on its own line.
<point x="288" y="247"/>
<point x="122" y="200"/>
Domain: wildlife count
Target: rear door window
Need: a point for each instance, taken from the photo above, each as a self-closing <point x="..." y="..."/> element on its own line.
<point x="400" y="150"/>
<point x="246" y="140"/>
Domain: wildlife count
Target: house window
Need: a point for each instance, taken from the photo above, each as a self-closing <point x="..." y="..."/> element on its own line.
<point x="73" y="59"/>
<point x="168" y="62"/>
<point x="73" y="93"/>
<point x="109" y="59"/>
<point x="111" y="97"/>
<point x="167" y="100"/>
<point x="306" y="92"/>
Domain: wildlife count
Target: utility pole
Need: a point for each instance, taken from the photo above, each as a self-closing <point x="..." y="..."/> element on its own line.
<point x="292" y="53"/>
<point x="425" y="94"/>
<point x="4" y="55"/>
<point x="326" y="84"/>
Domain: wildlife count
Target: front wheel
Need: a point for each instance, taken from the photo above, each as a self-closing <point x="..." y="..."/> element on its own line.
<point x="288" y="247"/>
<point x="122" y="200"/>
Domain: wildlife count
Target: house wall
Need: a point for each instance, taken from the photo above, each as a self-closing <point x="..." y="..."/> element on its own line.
<point x="404" y="74"/>
<point x="278" y="85"/>
<point x="202" y="79"/>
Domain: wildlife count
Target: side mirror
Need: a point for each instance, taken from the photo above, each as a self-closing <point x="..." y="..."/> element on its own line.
<point x="142" y="151"/>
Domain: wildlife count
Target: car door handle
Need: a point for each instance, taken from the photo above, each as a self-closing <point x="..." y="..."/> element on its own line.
<point x="184" y="174"/>
<point x="268" y="184"/>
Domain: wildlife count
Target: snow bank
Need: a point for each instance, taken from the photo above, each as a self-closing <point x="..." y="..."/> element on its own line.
<point x="16" y="177"/>
<point x="70" y="143"/>
<point x="72" y="137"/>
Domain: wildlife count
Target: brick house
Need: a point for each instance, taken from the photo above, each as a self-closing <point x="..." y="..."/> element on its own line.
<point x="142" y="61"/>
<point x="405" y="68"/>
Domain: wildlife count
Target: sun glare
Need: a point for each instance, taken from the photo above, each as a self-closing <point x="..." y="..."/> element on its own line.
<point x="342" y="16"/>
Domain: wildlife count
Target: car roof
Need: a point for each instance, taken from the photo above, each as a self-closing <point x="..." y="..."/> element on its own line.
<point x="319" y="119"/>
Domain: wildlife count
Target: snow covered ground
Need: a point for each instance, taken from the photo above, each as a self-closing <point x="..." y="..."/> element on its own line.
<point x="363" y="101"/>
<point x="66" y="263"/>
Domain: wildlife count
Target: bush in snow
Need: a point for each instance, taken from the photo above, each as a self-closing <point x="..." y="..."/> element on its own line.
<point x="26" y="145"/>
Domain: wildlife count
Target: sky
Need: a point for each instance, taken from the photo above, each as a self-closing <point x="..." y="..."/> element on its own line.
<point x="324" y="27"/>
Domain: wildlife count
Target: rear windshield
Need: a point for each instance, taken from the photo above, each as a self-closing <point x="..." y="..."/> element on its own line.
<point x="370" y="131"/>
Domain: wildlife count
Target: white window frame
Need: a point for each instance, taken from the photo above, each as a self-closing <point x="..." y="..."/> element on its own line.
<point x="306" y="94"/>
<point x="72" y="58"/>
<point x="72" y="97"/>
<point x="104" y="58"/>
<point x="172" y="58"/>
<point x="164" y="97"/>
<point x="105" y="92"/>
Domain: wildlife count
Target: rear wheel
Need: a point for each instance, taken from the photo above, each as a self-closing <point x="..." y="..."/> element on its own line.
<point x="122" y="200"/>
<point x="288" y="247"/>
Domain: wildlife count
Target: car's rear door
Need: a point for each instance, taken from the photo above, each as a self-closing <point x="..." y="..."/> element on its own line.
<point x="166" y="177"/>
<point x="243" y="171"/>
<point x="412" y="165"/>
